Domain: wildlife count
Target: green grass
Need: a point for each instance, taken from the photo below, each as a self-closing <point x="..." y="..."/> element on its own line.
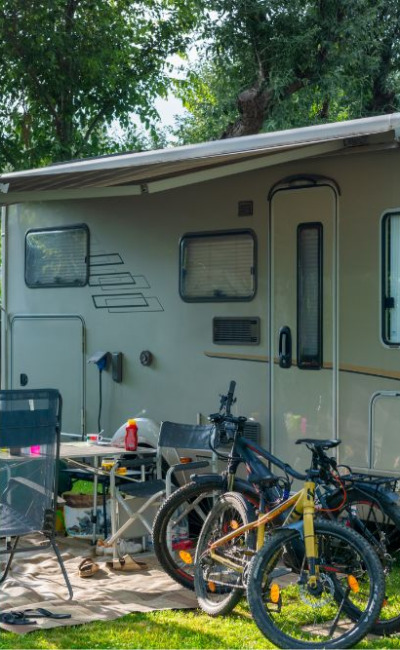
<point x="165" y="629"/>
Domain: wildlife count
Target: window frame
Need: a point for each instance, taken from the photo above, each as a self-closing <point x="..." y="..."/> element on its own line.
<point x="78" y="226"/>
<point x="216" y="234"/>
<point x="385" y="259"/>
<point x="317" y="362"/>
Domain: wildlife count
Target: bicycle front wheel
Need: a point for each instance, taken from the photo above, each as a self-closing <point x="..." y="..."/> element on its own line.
<point x="178" y="523"/>
<point x="292" y="613"/>
<point x="373" y="520"/>
<point x="218" y="585"/>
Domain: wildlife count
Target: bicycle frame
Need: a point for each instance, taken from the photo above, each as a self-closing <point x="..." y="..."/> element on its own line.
<point x="302" y="507"/>
<point x="246" y="451"/>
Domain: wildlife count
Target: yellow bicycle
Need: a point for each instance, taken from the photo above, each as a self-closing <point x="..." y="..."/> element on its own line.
<point x="305" y="583"/>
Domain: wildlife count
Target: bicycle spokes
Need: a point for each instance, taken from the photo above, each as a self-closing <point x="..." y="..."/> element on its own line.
<point x="296" y="607"/>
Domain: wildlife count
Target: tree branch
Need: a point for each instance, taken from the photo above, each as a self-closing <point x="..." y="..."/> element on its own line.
<point x="253" y="105"/>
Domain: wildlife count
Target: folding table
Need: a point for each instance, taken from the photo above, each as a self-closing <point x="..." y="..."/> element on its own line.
<point x="72" y="451"/>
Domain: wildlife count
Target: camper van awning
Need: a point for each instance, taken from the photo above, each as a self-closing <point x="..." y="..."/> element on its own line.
<point x="153" y="171"/>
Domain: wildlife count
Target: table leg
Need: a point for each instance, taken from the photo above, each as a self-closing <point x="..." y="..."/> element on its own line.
<point x="94" y="511"/>
<point x="113" y="505"/>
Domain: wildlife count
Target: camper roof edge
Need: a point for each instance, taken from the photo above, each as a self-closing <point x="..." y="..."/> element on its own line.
<point x="259" y="142"/>
<point x="173" y="181"/>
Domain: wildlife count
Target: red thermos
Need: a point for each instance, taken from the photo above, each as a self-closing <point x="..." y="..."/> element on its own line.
<point x="131" y="436"/>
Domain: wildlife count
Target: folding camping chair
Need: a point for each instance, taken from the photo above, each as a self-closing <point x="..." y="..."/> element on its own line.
<point x="195" y="438"/>
<point x="30" y="423"/>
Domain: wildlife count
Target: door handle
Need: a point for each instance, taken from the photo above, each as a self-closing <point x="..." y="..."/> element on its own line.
<point x="285" y="347"/>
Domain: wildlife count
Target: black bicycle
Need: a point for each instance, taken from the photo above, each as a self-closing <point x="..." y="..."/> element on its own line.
<point x="187" y="508"/>
<point x="367" y="504"/>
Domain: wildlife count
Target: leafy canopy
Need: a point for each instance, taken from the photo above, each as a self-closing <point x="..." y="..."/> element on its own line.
<point x="271" y="64"/>
<point x="69" y="68"/>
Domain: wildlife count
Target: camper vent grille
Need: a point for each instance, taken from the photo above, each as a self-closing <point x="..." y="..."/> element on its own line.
<point x="252" y="431"/>
<point x="236" y="331"/>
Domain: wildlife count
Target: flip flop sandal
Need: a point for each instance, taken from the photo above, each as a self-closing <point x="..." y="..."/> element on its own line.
<point x="43" y="613"/>
<point x="127" y="563"/>
<point x="87" y="568"/>
<point x="16" y="618"/>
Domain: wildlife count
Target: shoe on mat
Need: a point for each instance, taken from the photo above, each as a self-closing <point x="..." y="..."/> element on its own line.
<point x="127" y="563"/>
<point x="87" y="568"/>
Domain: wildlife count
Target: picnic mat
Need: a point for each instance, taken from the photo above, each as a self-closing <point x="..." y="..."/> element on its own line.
<point x="36" y="580"/>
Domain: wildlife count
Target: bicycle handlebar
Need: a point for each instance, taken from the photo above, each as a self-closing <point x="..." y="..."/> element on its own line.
<point x="221" y="417"/>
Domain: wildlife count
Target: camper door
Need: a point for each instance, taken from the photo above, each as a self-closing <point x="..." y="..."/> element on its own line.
<point x="48" y="352"/>
<point x="303" y="319"/>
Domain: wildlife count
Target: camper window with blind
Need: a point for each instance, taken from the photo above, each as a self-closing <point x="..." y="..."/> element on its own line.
<point x="218" y="266"/>
<point x="391" y="278"/>
<point x="309" y="296"/>
<point x="57" y="257"/>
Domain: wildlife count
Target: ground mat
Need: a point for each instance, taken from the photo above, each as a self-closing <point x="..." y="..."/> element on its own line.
<point x="36" y="581"/>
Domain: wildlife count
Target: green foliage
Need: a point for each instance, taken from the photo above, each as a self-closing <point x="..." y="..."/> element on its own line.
<point x="274" y="64"/>
<point x="69" y="68"/>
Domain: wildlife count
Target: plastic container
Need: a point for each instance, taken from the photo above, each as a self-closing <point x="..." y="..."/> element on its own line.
<point x="78" y="515"/>
<point x="148" y="433"/>
<point x="131" y="435"/>
<point x="93" y="438"/>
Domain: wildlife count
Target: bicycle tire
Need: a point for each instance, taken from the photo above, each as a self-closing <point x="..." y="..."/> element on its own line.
<point x="212" y="581"/>
<point x="329" y="535"/>
<point x="169" y="560"/>
<point x="377" y="519"/>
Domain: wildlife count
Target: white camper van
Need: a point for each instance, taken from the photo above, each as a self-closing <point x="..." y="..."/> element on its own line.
<point x="272" y="259"/>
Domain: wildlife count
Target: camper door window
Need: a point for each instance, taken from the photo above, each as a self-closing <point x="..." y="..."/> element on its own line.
<point x="57" y="257"/>
<point x="218" y="266"/>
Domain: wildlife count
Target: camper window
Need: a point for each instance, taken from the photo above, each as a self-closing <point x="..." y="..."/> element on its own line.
<point x="218" y="266"/>
<point x="391" y="278"/>
<point x="57" y="257"/>
<point x="309" y="296"/>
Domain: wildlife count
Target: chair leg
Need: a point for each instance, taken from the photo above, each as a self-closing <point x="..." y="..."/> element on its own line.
<point x="62" y="567"/>
<point x="8" y="565"/>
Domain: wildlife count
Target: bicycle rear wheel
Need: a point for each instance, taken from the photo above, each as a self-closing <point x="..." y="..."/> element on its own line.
<point x="292" y="614"/>
<point x="218" y="586"/>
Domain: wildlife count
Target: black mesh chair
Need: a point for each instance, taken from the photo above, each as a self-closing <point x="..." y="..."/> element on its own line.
<point x="30" y="422"/>
<point x="146" y="493"/>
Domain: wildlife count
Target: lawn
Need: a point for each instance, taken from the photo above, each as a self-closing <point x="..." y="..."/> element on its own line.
<point x="165" y="629"/>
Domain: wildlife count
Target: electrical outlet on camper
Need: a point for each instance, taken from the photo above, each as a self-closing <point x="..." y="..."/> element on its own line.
<point x="116" y="366"/>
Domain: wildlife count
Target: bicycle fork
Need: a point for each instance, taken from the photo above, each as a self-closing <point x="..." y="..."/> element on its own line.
<point x="305" y="508"/>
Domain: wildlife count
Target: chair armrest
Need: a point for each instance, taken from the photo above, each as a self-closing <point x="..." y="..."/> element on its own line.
<point x="182" y="467"/>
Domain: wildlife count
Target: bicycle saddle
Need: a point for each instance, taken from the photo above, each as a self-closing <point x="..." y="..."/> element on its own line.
<point x="322" y="444"/>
